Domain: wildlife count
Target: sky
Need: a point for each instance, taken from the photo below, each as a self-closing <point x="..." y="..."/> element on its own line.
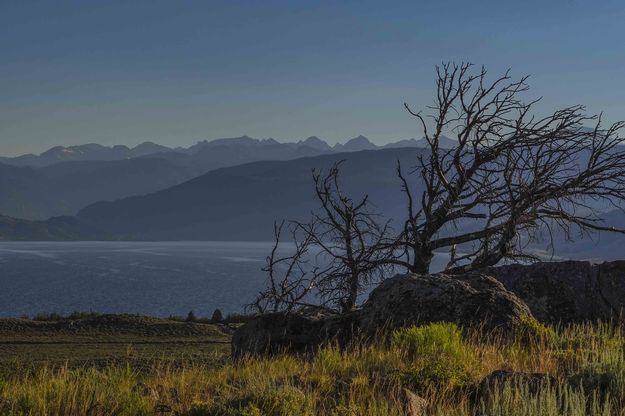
<point x="175" y="72"/>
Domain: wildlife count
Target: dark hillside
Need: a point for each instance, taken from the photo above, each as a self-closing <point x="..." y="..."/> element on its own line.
<point x="242" y="202"/>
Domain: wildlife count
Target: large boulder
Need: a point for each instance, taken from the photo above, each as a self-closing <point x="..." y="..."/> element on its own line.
<point x="569" y="291"/>
<point x="294" y="332"/>
<point x="467" y="300"/>
<point x="403" y="300"/>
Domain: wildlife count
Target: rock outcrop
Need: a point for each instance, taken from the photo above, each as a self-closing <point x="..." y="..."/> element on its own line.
<point x="399" y="301"/>
<point x="466" y="300"/>
<point x="570" y="291"/>
<point x="414" y="405"/>
<point x="295" y="332"/>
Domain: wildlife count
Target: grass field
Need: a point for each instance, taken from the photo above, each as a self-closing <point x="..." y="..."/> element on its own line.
<point x="105" y="340"/>
<point x="125" y="365"/>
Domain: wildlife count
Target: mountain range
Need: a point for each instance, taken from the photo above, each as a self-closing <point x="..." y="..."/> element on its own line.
<point x="63" y="180"/>
<point x="237" y="149"/>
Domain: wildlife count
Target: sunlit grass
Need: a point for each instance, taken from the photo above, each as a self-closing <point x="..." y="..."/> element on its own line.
<point x="438" y="362"/>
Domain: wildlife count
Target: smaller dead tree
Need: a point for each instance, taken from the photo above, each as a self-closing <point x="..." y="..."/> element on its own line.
<point x="352" y="241"/>
<point x="352" y="251"/>
<point x="289" y="278"/>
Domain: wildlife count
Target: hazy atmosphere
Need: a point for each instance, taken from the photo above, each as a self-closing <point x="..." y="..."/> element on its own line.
<point x="126" y="72"/>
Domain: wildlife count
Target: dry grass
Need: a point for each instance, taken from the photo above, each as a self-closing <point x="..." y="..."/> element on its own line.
<point x="437" y="361"/>
<point x="106" y="340"/>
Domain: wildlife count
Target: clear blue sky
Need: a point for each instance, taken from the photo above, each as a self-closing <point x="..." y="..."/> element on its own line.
<point x="121" y="72"/>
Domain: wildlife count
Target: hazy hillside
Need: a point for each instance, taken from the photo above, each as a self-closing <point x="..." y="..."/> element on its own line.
<point x="241" y="203"/>
<point x="20" y="192"/>
<point x="59" y="228"/>
<point x="64" y="188"/>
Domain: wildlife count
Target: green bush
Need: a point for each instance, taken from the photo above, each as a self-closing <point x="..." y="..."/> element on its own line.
<point x="438" y="356"/>
<point x="435" y="373"/>
<point x="432" y="339"/>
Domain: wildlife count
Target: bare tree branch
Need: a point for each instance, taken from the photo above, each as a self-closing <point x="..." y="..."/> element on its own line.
<point x="512" y="176"/>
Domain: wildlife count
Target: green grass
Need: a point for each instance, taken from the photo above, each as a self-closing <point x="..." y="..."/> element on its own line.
<point x="185" y="370"/>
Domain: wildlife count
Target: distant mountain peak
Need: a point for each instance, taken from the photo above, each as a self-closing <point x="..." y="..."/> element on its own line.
<point x="270" y="140"/>
<point x="144" y="149"/>
<point x="146" y="144"/>
<point x="315" y="143"/>
<point x="356" y="144"/>
<point x="53" y="150"/>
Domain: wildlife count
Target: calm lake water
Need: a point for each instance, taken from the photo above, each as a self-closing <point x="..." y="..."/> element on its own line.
<point x="153" y="278"/>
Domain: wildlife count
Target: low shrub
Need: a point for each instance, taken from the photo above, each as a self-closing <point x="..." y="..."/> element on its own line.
<point x="432" y="339"/>
<point x="436" y="354"/>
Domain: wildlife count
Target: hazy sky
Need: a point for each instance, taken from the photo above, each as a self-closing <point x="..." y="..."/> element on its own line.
<point x="174" y="72"/>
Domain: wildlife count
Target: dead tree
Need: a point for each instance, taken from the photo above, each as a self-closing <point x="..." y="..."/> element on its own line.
<point x="290" y="278"/>
<point x="353" y="242"/>
<point x="511" y="179"/>
<point x="339" y="253"/>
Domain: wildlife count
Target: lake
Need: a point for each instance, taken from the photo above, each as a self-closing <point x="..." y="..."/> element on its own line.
<point x="152" y="278"/>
